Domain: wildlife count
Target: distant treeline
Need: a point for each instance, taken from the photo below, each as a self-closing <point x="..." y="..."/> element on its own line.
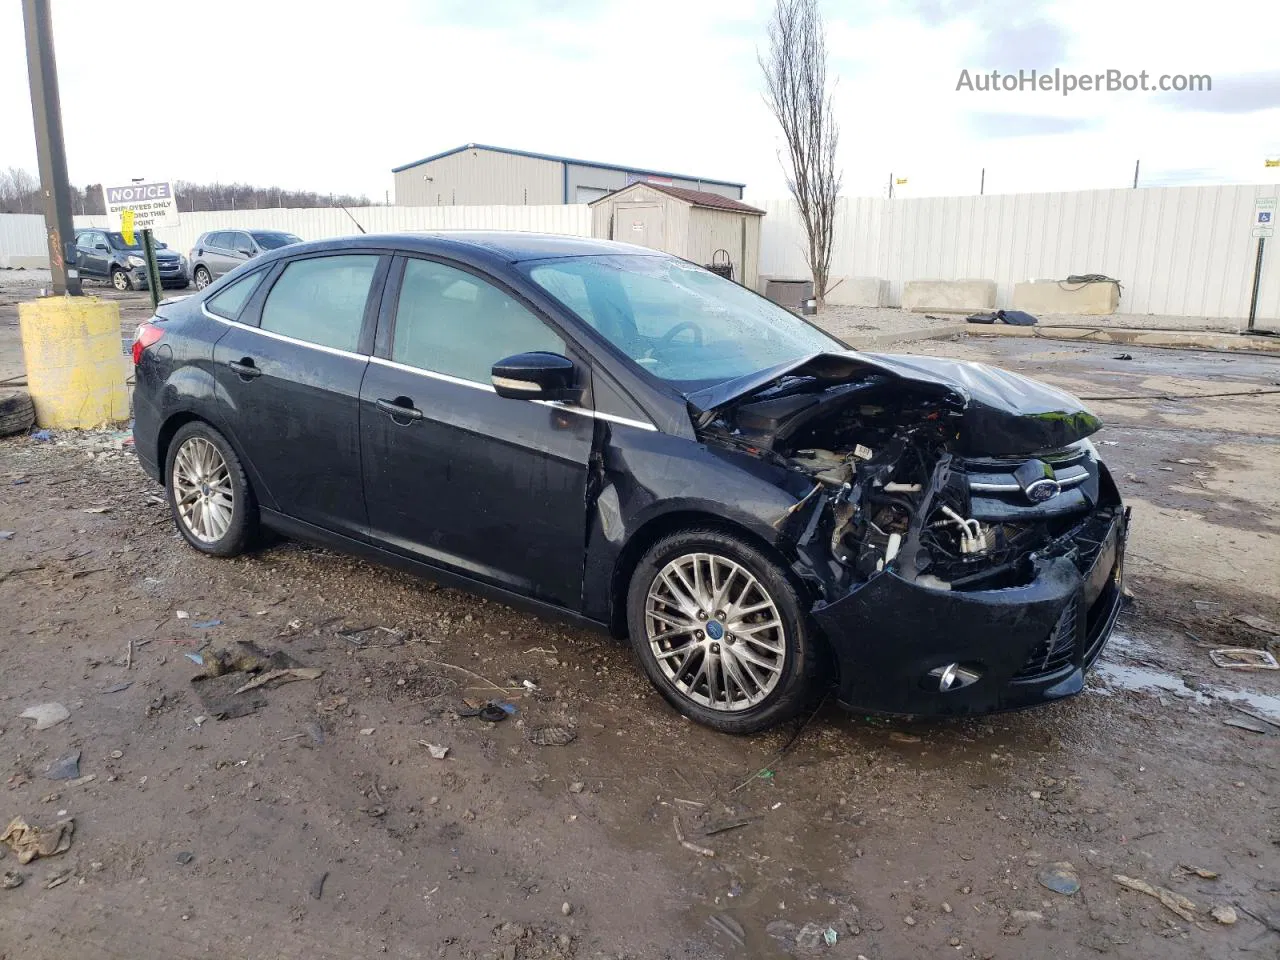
<point x="20" y="193"/>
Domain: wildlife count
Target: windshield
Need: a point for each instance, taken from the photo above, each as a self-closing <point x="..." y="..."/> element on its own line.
<point x="117" y="241"/>
<point x="681" y="323"/>
<point x="273" y="241"/>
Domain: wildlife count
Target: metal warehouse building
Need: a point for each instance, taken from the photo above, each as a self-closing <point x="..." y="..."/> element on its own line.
<point x="479" y="175"/>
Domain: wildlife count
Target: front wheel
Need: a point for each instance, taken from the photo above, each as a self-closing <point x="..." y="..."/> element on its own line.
<point x="203" y="279"/>
<point x="209" y="494"/>
<point x="721" y="632"/>
<point x="121" y="280"/>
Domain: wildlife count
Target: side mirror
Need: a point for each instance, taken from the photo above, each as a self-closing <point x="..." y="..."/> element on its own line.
<point x="535" y="376"/>
<point x="99" y="246"/>
<point x="245" y="253"/>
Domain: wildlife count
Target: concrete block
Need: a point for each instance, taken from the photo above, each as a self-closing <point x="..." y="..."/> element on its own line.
<point x="857" y="291"/>
<point x="36" y="262"/>
<point x="1052" y="296"/>
<point x="948" y="296"/>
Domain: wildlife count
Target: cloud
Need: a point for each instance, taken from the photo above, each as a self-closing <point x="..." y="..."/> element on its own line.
<point x="1238" y="93"/>
<point x="999" y="125"/>
<point x="1028" y="45"/>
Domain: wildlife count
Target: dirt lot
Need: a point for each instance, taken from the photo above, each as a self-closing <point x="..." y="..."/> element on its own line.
<point x="322" y="826"/>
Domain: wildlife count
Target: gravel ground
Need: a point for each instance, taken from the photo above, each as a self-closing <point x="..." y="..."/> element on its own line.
<point x="322" y="826"/>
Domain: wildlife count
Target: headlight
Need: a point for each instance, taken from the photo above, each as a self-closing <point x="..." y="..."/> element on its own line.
<point x="184" y="262"/>
<point x="137" y="262"/>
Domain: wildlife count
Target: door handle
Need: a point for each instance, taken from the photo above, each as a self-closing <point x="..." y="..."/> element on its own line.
<point x="244" y="368"/>
<point x="404" y="410"/>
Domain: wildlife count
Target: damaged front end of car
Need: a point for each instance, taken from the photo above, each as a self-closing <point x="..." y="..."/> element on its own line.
<point x="962" y="541"/>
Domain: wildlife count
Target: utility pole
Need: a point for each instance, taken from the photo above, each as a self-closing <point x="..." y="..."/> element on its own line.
<point x="890" y="184"/>
<point x="1136" y="164"/>
<point x="46" y="111"/>
<point x="982" y="184"/>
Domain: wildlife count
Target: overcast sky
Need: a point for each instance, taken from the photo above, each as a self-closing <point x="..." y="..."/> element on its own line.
<point x="331" y="96"/>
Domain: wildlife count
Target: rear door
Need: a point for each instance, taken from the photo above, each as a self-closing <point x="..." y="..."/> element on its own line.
<point x="289" y="371"/>
<point x="218" y="253"/>
<point x="454" y="474"/>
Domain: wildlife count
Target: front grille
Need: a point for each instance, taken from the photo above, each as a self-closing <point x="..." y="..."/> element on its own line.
<point x="1055" y="651"/>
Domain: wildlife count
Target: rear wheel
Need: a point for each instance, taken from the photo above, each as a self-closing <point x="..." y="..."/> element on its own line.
<point x="209" y="494"/>
<point x="203" y="278"/>
<point x="121" y="280"/>
<point x="721" y="632"/>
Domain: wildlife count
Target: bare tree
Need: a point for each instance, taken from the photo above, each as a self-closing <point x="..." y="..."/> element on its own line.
<point x="795" y="74"/>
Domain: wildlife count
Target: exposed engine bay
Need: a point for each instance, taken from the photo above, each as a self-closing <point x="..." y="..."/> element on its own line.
<point x="898" y="483"/>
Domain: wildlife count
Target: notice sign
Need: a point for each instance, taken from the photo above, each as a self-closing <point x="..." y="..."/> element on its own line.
<point x="1264" y="217"/>
<point x="151" y="204"/>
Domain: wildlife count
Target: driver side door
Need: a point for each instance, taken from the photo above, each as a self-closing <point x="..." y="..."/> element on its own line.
<point x="454" y="475"/>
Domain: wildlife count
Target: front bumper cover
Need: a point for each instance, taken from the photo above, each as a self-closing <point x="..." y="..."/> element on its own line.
<point x="1030" y="644"/>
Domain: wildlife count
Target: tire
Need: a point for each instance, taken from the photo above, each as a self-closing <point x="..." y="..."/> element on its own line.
<point x="784" y="664"/>
<point x="202" y="277"/>
<point x="17" y="414"/>
<point x="121" y="280"/>
<point x="200" y="463"/>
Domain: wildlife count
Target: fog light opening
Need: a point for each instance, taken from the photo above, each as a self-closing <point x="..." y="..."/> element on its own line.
<point x="952" y="677"/>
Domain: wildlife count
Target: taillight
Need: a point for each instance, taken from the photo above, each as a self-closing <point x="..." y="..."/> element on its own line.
<point x="146" y="334"/>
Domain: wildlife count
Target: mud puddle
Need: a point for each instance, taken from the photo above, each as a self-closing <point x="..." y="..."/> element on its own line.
<point x="1128" y="676"/>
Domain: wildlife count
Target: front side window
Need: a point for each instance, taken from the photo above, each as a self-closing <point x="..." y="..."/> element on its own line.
<point x="229" y="302"/>
<point x="321" y="300"/>
<point x="677" y="321"/>
<point x="449" y="321"/>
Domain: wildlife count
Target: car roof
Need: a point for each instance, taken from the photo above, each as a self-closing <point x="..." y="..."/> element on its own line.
<point x="509" y="246"/>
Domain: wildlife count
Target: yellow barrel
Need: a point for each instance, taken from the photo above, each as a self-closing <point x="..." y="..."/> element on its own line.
<point x="76" y="370"/>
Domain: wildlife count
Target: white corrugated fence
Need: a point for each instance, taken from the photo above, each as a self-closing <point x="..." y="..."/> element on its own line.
<point x="1183" y="251"/>
<point x="1176" y="250"/>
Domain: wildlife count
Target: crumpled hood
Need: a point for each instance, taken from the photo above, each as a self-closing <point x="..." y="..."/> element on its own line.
<point x="1003" y="412"/>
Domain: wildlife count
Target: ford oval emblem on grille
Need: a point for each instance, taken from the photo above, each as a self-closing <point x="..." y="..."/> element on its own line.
<point x="1042" y="490"/>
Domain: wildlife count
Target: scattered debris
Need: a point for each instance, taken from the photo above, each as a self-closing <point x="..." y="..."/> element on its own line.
<point x="366" y="732"/>
<point x="185" y="857"/>
<point x="46" y="715"/>
<point x="57" y="880"/>
<point x="1256" y="716"/>
<point x="1246" y="725"/>
<point x="284" y="676"/>
<point x="97" y="510"/>
<point x="315" y="732"/>
<point x="577" y="786"/>
<point x="897" y="736"/>
<point x="437" y="752"/>
<point x="552" y="736"/>
<point x="1223" y="914"/>
<point x="81" y="781"/>
<point x="1201" y="872"/>
<point x="495" y="711"/>
<point x="207" y="624"/>
<point x="1243" y="658"/>
<point x="42" y="435"/>
<point x="30" y="842"/>
<point x="1258" y="623"/>
<point x="566" y="908"/>
<point x="727" y="825"/>
<point x="701" y="851"/>
<point x="118" y="687"/>
<point x="11" y="880"/>
<point x="1123" y="356"/>
<point x="183" y="615"/>
<point x="730" y="927"/>
<point x="317" y="885"/>
<point x="195" y="658"/>
<point x="1060" y="877"/>
<point x="64" y="768"/>
<point x="1174" y="901"/>
<point x="6" y="534"/>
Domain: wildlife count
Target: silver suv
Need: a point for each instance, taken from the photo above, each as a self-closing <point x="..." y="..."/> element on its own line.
<point x="221" y="251"/>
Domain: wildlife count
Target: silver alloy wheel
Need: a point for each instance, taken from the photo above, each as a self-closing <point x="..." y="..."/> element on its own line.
<point x="120" y="280"/>
<point x="202" y="490"/>
<point x="715" y="631"/>
<point x="202" y="278"/>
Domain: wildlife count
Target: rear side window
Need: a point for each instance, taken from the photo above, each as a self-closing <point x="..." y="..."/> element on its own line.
<point x="451" y="322"/>
<point x="229" y="302"/>
<point x="321" y="300"/>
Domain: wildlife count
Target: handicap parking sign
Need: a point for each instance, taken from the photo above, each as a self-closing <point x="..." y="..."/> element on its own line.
<point x="1264" y="216"/>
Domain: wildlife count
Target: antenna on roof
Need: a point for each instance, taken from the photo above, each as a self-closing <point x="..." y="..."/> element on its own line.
<point x="353" y="219"/>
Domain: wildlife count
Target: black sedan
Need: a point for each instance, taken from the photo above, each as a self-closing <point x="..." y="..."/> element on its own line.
<point x="622" y="438"/>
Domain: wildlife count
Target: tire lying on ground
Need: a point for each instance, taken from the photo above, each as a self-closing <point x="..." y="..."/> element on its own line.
<point x="17" y="414"/>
